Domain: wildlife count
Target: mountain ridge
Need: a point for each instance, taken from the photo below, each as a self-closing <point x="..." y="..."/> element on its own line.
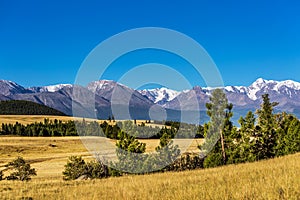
<point x="107" y="94"/>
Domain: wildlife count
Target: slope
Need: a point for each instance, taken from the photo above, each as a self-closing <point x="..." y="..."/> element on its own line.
<point x="20" y="107"/>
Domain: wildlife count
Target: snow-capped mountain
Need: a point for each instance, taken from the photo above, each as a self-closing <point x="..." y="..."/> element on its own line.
<point x="160" y="95"/>
<point x="108" y="93"/>
<point x="50" y="88"/>
<point x="287" y="93"/>
<point x="8" y="88"/>
<point x="254" y="91"/>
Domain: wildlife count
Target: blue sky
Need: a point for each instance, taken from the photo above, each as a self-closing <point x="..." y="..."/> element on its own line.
<point x="45" y="43"/>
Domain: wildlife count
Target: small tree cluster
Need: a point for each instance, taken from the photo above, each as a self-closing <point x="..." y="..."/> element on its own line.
<point x="77" y="167"/>
<point x="131" y="158"/>
<point x="21" y="170"/>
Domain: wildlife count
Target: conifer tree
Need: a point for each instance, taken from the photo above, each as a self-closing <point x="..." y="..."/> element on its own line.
<point x="219" y="130"/>
<point x="267" y="129"/>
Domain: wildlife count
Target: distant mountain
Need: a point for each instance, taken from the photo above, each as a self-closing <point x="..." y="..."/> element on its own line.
<point x="119" y="94"/>
<point x="8" y="88"/>
<point x="114" y="98"/>
<point x="50" y="88"/>
<point x="16" y="107"/>
<point x="287" y="93"/>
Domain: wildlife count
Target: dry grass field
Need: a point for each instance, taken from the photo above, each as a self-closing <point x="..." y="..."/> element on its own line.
<point x="271" y="179"/>
<point x="49" y="154"/>
<point x="27" y="119"/>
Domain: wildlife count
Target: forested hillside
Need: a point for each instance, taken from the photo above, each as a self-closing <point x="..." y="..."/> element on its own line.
<point x="20" y="107"/>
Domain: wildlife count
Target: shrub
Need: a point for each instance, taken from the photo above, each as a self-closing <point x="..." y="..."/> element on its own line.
<point x="96" y="169"/>
<point x="77" y="167"/>
<point x="186" y="162"/>
<point x="21" y="170"/>
<point x="74" y="168"/>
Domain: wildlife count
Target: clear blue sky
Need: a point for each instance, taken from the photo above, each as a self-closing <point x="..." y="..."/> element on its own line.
<point x="45" y="42"/>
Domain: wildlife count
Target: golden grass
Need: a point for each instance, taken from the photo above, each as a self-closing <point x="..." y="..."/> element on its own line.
<point x="27" y="119"/>
<point x="271" y="179"/>
<point x="49" y="154"/>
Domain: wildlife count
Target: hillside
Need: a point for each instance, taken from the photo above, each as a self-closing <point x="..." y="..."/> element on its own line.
<point x="20" y="107"/>
<point x="269" y="179"/>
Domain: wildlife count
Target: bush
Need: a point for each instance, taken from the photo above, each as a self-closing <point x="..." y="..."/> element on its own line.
<point x="77" y="167"/>
<point x="96" y="169"/>
<point x="186" y="162"/>
<point x="74" y="168"/>
<point x="21" y="170"/>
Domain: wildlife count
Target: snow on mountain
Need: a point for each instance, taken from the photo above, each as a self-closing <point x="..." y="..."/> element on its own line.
<point x="267" y="86"/>
<point x="240" y="95"/>
<point x="54" y="88"/>
<point x="97" y="86"/>
<point x="261" y="86"/>
<point x="160" y="95"/>
<point x="50" y="88"/>
<point x="288" y="83"/>
<point x="60" y="96"/>
<point x="8" y="88"/>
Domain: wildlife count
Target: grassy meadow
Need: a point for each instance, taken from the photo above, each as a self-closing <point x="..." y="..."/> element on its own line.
<point x="49" y="154"/>
<point x="27" y="119"/>
<point x="270" y="179"/>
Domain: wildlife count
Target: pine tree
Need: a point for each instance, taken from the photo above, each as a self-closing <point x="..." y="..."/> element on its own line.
<point x="167" y="151"/>
<point x="130" y="154"/>
<point x="245" y="140"/>
<point x="267" y="129"/>
<point x="219" y="129"/>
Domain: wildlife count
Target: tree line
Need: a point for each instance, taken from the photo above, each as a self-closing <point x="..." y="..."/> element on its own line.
<point x="56" y="127"/>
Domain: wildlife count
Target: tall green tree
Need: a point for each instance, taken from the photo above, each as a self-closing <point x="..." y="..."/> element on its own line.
<point x="244" y="150"/>
<point x="267" y="129"/>
<point x="219" y="129"/>
<point x="288" y="131"/>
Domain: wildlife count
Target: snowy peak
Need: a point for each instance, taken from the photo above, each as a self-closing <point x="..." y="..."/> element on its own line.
<point x="50" y="88"/>
<point x="261" y="85"/>
<point x="253" y="92"/>
<point x="8" y="88"/>
<point x="288" y="83"/>
<point x="160" y="95"/>
<point x="101" y="85"/>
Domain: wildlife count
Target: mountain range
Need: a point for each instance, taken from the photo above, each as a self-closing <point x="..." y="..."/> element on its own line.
<point x="112" y="98"/>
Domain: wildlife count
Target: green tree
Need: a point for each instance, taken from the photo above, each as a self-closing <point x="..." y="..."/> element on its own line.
<point x="74" y="168"/>
<point x="267" y="129"/>
<point x="244" y="143"/>
<point x="77" y="167"/>
<point x="219" y="129"/>
<point x="130" y="154"/>
<point x="168" y="152"/>
<point x="288" y="139"/>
